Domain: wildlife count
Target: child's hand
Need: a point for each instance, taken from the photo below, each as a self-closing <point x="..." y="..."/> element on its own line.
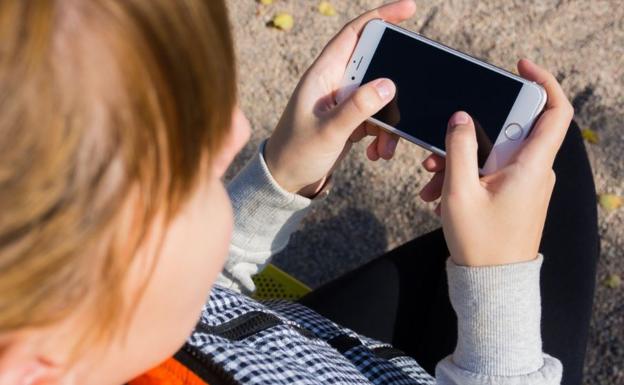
<point x="499" y="218"/>
<point x="314" y="134"/>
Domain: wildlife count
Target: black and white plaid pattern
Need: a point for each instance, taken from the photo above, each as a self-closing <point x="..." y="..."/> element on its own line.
<point x="282" y="354"/>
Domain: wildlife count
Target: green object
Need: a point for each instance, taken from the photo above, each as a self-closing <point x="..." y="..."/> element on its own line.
<point x="274" y="283"/>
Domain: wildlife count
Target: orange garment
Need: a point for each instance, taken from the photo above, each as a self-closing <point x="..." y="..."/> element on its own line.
<point x="170" y="372"/>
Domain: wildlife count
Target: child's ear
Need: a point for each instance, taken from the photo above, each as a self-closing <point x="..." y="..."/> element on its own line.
<point x="20" y="363"/>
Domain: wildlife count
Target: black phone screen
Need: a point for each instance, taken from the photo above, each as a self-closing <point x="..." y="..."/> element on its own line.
<point x="432" y="84"/>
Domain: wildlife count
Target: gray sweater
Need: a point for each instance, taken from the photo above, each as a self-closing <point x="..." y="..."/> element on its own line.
<point x="498" y="308"/>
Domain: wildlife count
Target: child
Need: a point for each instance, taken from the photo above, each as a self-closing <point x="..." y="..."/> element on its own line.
<point x="117" y="121"/>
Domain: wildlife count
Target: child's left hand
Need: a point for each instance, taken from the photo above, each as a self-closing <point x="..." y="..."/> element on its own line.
<point x="314" y="133"/>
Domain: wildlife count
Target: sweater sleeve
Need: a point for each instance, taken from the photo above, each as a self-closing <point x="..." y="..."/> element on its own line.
<point x="265" y="216"/>
<point x="498" y="318"/>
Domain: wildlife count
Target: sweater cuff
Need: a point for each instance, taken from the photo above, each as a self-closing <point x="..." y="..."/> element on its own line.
<point x="265" y="216"/>
<point x="264" y="213"/>
<point x="498" y="312"/>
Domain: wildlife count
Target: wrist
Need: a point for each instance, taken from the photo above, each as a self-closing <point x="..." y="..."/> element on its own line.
<point x="311" y="190"/>
<point x="273" y="160"/>
<point x="498" y="259"/>
<point x="316" y="189"/>
<point x="281" y="177"/>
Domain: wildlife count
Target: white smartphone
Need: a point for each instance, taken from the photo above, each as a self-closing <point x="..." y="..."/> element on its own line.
<point x="433" y="81"/>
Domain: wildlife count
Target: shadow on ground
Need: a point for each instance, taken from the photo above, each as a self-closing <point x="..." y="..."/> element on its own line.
<point x="356" y="237"/>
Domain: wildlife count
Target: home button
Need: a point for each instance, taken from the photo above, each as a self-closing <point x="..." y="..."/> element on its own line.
<point x="513" y="131"/>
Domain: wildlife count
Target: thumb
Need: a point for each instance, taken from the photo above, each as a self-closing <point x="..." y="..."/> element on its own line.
<point x="462" y="168"/>
<point x="365" y="102"/>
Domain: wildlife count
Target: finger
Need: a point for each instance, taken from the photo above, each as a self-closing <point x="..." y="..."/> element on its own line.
<point x="462" y="169"/>
<point x="386" y="144"/>
<point x="372" y="129"/>
<point x="533" y="72"/>
<point x="362" y="104"/>
<point x="549" y="131"/>
<point x="365" y="129"/>
<point x="371" y="150"/>
<point x="358" y="134"/>
<point x="340" y="48"/>
<point x="433" y="188"/>
<point x="544" y="142"/>
<point x="434" y="163"/>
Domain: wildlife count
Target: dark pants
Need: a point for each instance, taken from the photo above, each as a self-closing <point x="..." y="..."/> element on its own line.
<point x="402" y="296"/>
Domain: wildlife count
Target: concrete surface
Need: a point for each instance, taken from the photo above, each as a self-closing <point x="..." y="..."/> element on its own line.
<point x="581" y="41"/>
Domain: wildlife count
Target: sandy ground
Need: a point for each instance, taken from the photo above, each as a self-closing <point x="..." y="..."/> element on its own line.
<point x="581" y="41"/>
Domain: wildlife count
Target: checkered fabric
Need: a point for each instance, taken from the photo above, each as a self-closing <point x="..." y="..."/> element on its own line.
<point x="298" y="347"/>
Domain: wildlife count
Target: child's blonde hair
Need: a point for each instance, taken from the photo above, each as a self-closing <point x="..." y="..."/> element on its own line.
<point x="98" y="99"/>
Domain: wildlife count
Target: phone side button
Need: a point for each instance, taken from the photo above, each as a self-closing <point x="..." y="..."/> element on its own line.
<point x="513" y="131"/>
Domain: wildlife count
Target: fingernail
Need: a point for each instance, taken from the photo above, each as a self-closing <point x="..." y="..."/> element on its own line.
<point x="390" y="146"/>
<point x="384" y="88"/>
<point x="460" y="117"/>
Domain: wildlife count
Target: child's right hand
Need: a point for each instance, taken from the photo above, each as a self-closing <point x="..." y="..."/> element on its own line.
<point x="498" y="219"/>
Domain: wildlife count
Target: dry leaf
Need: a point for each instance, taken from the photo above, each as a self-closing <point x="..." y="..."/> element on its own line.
<point x="326" y="9"/>
<point x="590" y="135"/>
<point x="613" y="281"/>
<point x="283" y="21"/>
<point x="266" y="2"/>
<point x="610" y="202"/>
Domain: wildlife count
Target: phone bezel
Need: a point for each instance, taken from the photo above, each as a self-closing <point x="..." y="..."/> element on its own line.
<point x="528" y="105"/>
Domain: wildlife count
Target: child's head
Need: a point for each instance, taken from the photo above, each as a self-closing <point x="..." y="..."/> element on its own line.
<point x="117" y="119"/>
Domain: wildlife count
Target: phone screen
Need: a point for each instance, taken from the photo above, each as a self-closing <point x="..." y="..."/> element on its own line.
<point x="432" y="84"/>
